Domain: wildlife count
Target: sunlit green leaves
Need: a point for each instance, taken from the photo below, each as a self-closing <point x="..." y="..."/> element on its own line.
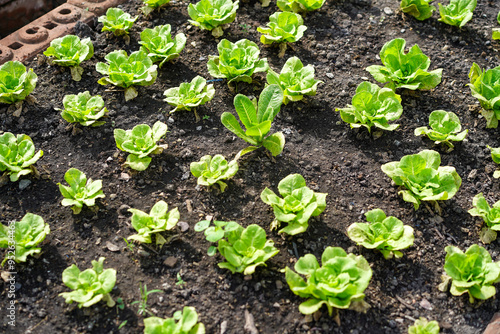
<point x="159" y="44"/>
<point x="183" y="322"/>
<point x="158" y="220"/>
<point x="419" y="9"/>
<point x="490" y="215"/>
<point x="117" y="21"/>
<point x="299" y="6"/>
<point x="17" y="155"/>
<point x="83" y="109"/>
<point x="212" y="14"/>
<point x="485" y="86"/>
<point x="445" y="128"/>
<point x="283" y="27"/>
<point x="15" y="83"/>
<point x="70" y="51"/>
<point x="190" y="94"/>
<point x="80" y="191"/>
<point x="213" y="170"/>
<point x="457" y="12"/>
<point x="423" y="326"/>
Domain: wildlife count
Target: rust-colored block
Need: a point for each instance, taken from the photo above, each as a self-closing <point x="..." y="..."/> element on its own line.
<point x="98" y="7"/>
<point x="494" y="325"/>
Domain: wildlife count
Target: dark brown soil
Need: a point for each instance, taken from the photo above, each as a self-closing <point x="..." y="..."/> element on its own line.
<point x="342" y="39"/>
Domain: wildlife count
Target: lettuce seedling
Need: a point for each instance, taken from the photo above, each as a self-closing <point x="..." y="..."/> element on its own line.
<point x="445" y="128"/>
<point x="243" y="248"/>
<point x="236" y="61"/>
<point x="485" y="86"/>
<point x="89" y="286"/>
<point x="158" y="220"/>
<point x="496" y="31"/>
<point x="17" y="155"/>
<point x="151" y="5"/>
<point x="15" y="83"/>
<point x="402" y="70"/>
<point x="26" y="235"/>
<point x="495" y="155"/>
<point x="190" y="95"/>
<point x="372" y="106"/>
<point x="83" y="109"/>
<point x="257" y="119"/>
<point x="212" y="14"/>
<point x="299" y="203"/>
<point x="423" y="326"/>
<point x="80" y="191"/>
<point x="210" y="171"/>
<point x="117" y="21"/>
<point x="387" y="234"/>
<point x="283" y="28"/>
<point x="295" y="79"/>
<point x="70" y="51"/>
<point x="472" y="272"/>
<point x="339" y="283"/>
<point x="183" y="322"/>
<point x="423" y="178"/>
<point x="127" y="72"/>
<point x="458" y="12"/>
<point x="299" y="6"/>
<point x="159" y="44"/>
<point x="140" y="142"/>
<point x="490" y="215"/>
<point x="419" y="9"/>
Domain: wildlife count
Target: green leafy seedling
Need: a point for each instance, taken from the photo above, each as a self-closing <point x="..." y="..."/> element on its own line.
<point x="423" y="326"/>
<point x="83" y="109"/>
<point x="485" y="86"/>
<point x="183" y="322"/>
<point x="445" y="128"/>
<point x="70" y="51"/>
<point x="17" y="155"/>
<point x="117" y="21"/>
<point x="190" y="95"/>
<point x="180" y="282"/>
<point x="80" y="191"/>
<point x="212" y="14"/>
<point x="159" y="44"/>
<point x="490" y="215"/>
<point x="419" y="9"/>
<point x="216" y="232"/>
<point x="143" y="307"/>
<point x="299" y="6"/>
<point x="213" y="170"/>
<point x="458" y="12"/>
<point x="15" y="82"/>
<point x="151" y="5"/>
<point x="496" y="31"/>
<point x="495" y="155"/>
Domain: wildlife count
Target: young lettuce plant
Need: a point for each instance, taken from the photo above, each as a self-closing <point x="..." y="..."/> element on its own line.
<point x="190" y="95"/>
<point x="89" y="286"/>
<point x="423" y="326"/>
<point x="236" y="61"/>
<point x="159" y="44"/>
<point x="485" y="86"/>
<point x="118" y="22"/>
<point x="140" y="142"/>
<point x="490" y="215"/>
<point x="212" y="14"/>
<point x="299" y="203"/>
<point x="495" y="155"/>
<point x="83" y="109"/>
<point x="243" y="248"/>
<point x="257" y="119"/>
<point x="151" y="5"/>
<point x="15" y="83"/>
<point x="387" y="234"/>
<point x="80" y="191"/>
<point x="158" y="220"/>
<point x="212" y="170"/>
<point x="472" y="272"/>
<point x="445" y="128"/>
<point x="183" y="322"/>
<point x="283" y="28"/>
<point x="372" y="106"/>
<point x="423" y="178"/>
<point x="295" y="79"/>
<point x="402" y="70"/>
<point x="17" y="155"/>
<point x="70" y="51"/>
<point x="339" y="283"/>
<point x="419" y="9"/>
<point x="496" y="31"/>
<point x="26" y="234"/>
<point x="458" y="12"/>
<point x="127" y="72"/>
<point x="299" y="6"/>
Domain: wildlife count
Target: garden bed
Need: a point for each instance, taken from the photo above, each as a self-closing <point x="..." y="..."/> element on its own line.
<point x="342" y="39"/>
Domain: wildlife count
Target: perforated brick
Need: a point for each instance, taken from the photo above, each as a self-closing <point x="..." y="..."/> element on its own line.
<point x="98" y="7"/>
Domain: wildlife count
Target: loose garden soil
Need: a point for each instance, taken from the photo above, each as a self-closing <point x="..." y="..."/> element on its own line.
<point x="342" y="39"/>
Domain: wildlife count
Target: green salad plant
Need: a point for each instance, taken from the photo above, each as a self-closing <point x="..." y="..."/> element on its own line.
<point x="423" y="326"/>
<point x="372" y="106"/>
<point x="419" y="9"/>
<point x="159" y="44"/>
<point x="118" y="22"/>
<point x="472" y="272"/>
<point x="190" y="95"/>
<point x="140" y="142"/>
<point x="496" y="31"/>
<point x="70" y="51"/>
<point x="485" y="86"/>
<point x="89" y="286"/>
<point x="151" y="5"/>
<point x="127" y="71"/>
<point x="299" y="6"/>
<point x="490" y="215"/>
<point x="339" y="283"/>
<point x="183" y="322"/>
<point x="236" y="61"/>
<point x="80" y="191"/>
<point x="243" y="248"/>
<point x="158" y="220"/>
<point x="402" y="70"/>
<point x="458" y="12"/>
<point x="445" y="128"/>
<point x="283" y="28"/>
<point x="495" y="155"/>
<point x="423" y="178"/>
<point x="213" y="170"/>
<point x="213" y="14"/>
<point x="83" y="109"/>
<point x="21" y="238"/>
<point x="295" y="79"/>
<point x="386" y="234"/>
<point x="257" y="119"/>
<point x="15" y="82"/>
<point x="297" y="205"/>
<point x="17" y="155"/>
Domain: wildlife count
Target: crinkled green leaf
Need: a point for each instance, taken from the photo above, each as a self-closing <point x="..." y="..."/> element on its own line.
<point x="283" y="27"/>
<point x="117" y="21"/>
<point x="419" y="9"/>
<point x="15" y="82"/>
<point x="190" y="94"/>
<point x="210" y="14"/>
<point x="80" y="191"/>
<point x="457" y="12"/>
<point x="210" y="171"/>
<point x="17" y="154"/>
